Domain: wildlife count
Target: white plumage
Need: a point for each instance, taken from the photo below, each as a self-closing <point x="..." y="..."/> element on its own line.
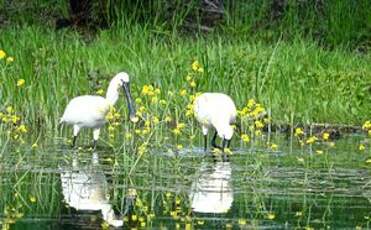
<point x="212" y="191"/>
<point x="90" y="111"/>
<point x="86" y="188"/>
<point x="218" y="111"/>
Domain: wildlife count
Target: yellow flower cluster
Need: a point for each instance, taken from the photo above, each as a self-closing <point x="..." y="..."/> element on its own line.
<point x="15" y="127"/>
<point x="149" y="90"/>
<point x="197" y="67"/>
<point x="254" y="112"/>
<point x="190" y="105"/>
<point x="152" y="92"/>
<point x="325" y="136"/>
<point x="252" y="109"/>
<point x="3" y="55"/>
<point x="298" y="132"/>
<point x="191" y="81"/>
<point x="311" y="140"/>
<point x="178" y="129"/>
<point x="113" y="118"/>
<point x="100" y="92"/>
<point x="367" y="127"/>
<point x="20" y="82"/>
<point x="245" y="138"/>
<point x="274" y="147"/>
<point x="142" y="149"/>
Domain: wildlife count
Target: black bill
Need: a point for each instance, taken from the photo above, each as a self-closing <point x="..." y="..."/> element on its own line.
<point x="131" y="106"/>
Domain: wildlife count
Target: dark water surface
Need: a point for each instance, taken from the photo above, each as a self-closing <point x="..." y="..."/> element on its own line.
<point x="316" y="187"/>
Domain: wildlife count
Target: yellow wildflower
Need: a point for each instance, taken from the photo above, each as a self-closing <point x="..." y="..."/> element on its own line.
<point x="2" y="54"/>
<point x="154" y="100"/>
<point x="319" y="152"/>
<point x="242" y="221"/>
<point x="311" y="140"/>
<point x="298" y="214"/>
<point x="183" y="92"/>
<point x="228" y="151"/>
<point x="299" y="132"/>
<point x="148" y="90"/>
<point x="196" y="66"/>
<point x="9" y="60"/>
<point x="100" y="91"/>
<point x="180" y="125"/>
<point x="274" y="147"/>
<point x="368" y="161"/>
<point x="259" y="124"/>
<point x="134" y="217"/>
<point x="9" y="109"/>
<point x="167" y="119"/>
<point x="325" y="136"/>
<point x="155" y="120"/>
<point x="271" y="216"/>
<point x="245" y="138"/>
<point x="22" y="129"/>
<point x="34" y="145"/>
<point x="258" y="133"/>
<point x="15" y="119"/>
<point x="33" y="199"/>
<point x="300" y="159"/>
<point x="250" y="103"/>
<point x="366" y="125"/>
<point x="20" y="82"/>
<point x="192" y="84"/>
<point x="200" y="222"/>
<point x="361" y="147"/>
<point x="179" y="147"/>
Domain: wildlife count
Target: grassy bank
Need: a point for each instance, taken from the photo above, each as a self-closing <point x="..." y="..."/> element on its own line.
<point x="296" y="79"/>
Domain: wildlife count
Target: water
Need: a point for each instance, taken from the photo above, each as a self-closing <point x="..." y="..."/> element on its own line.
<point x="56" y="187"/>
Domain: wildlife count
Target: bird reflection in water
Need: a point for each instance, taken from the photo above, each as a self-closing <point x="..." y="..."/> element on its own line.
<point x="86" y="188"/>
<point x="212" y="191"/>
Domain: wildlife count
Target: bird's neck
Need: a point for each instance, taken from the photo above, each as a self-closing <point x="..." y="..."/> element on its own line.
<point x="112" y="94"/>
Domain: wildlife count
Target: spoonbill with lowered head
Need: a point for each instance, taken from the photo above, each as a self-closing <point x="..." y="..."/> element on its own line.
<point x="218" y="111"/>
<point x="90" y="111"/>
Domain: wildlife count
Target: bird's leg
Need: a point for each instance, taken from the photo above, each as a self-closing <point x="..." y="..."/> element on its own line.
<point x="213" y="143"/>
<point x="76" y="130"/>
<point x="225" y="142"/>
<point x="74" y="141"/>
<point x="205" y="143"/>
<point x="96" y="133"/>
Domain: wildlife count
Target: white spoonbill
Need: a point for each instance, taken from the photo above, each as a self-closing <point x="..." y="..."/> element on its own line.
<point x="90" y="111"/>
<point x="218" y="111"/>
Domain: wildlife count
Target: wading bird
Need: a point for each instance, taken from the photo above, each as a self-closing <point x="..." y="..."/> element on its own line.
<point x="218" y="111"/>
<point x="90" y="111"/>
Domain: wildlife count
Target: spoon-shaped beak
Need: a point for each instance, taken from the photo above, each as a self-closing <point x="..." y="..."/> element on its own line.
<point x="131" y="106"/>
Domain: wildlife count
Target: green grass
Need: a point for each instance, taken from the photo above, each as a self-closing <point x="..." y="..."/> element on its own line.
<point x="296" y="78"/>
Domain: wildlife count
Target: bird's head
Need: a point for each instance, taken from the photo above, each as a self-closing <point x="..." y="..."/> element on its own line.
<point x="122" y="80"/>
<point x="225" y="131"/>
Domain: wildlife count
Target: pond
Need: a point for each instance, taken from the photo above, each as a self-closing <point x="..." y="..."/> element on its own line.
<point x="293" y="186"/>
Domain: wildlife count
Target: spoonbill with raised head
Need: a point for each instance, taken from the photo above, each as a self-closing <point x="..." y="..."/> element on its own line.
<point x="89" y="111"/>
